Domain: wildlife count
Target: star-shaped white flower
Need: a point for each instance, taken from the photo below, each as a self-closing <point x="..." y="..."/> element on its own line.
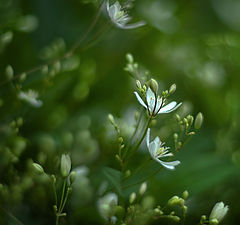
<point x="31" y="97"/>
<point x="157" y="150"/>
<point x="119" y="17"/>
<point x="156" y="105"/>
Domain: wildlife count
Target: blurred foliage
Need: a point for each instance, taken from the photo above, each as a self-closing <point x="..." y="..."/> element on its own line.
<point x="194" y="44"/>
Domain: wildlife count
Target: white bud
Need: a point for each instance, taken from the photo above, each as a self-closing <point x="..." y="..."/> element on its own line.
<point x="218" y="211"/>
<point x="132" y="197"/>
<point x="143" y="188"/>
<point x="65" y="165"/>
<point x="198" y="121"/>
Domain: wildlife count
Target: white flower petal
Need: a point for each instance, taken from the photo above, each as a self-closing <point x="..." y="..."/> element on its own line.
<point x="150" y="99"/>
<point x="134" y="25"/>
<point x="148" y="137"/>
<point x="152" y="149"/>
<point x="169" y="107"/>
<point x="140" y="100"/>
<point x="165" y="155"/>
<point x="157" y="142"/>
<point x="168" y="165"/>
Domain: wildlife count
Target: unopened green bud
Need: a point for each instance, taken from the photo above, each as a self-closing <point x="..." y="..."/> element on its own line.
<point x="72" y="176"/>
<point x="213" y="222"/>
<point x="138" y="84"/>
<point x="119" y="211"/>
<point x="132" y="197"/>
<point x="65" y="165"/>
<point x="185" y="195"/>
<point x="143" y="188"/>
<point x="190" y="120"/>
<point x="19" y="121"/>
<point x="127" y="173"/>
<point x="38" y="168"/>
<point x="175" y="136"/>
<point x="111" y="118"/>
<point x="175" y="218"/>
<point x="55" y="209"/>
<point x="172" y="89"/>
<point x="44" y="70"/>
<point x="144" y="88"/>
<point x="179" y="144"/>
<point x="135" y="65"/>
<point x="9" y="72"/>
<point x="120" y="140"/>
<point x="53" y="178"/>
<point x="158" y="212"/>
<point x="175" y="200"/>
<point x="129" y="58"/>
<point x="185" y="208"/>
<point x="154" y="85"/>
<point x="185" y="121"/>
<point x="117" y="158"/>
<point x="191" y="133"/>
<point x="198" y="121"/>
<point x="23" y="77"/>
<point x="178" y="118"/>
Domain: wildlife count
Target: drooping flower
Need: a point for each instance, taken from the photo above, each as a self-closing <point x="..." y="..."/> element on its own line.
<point x="119" y="17"/>
<point x="106" y="206"/>
<point x="31" y="97"/>
<point x="218" y="212"/>
<point x="157" y="150"/>
<point x="156" y="104"/>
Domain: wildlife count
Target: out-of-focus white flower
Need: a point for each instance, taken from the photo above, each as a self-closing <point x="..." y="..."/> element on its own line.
<point x="156" y="104"/>
<point x="119" y="17"/>
<point x="157" y="150"/>
<point x="31" y="97"/>
<point x="218" y="212"/>
<point x="106" y="206"/>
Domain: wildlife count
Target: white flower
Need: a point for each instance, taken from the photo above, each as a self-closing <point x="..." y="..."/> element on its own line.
<point x="119" y="17"/>
<point x="156" y="105"/>
<point x="106" y="205"/>
<point x="157" y="150"/>
<point x="31" y="97"/>
<point x="218" y="211"/>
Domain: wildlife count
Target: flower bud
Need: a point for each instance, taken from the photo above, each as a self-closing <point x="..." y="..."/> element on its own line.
<point x="138" y="84"/>
<point x="198" y="121"/>
<point x="53" y="178"/>
<point x="143" y="188"/>
<point x="172" y="89"/>
<point x="218" y="212"/>
<point x="9" y="72"/>
<point x="127" y="173"/>
<point x="175" y="200"/>
<point x="23" y="77"/>
<point x="213" y="222"/>
<point x="65" y="165"/>
<point x="111" y="118"/>
<point x="190" y="120"/>
<point x="129" y="58"/>
<point x="175" y="136"/>
<point x="72" y="176"/>
<point x="178" y="118"/>
<point x="185" y="195"/>
<point x="38" y="168"/>
<point x="154" y="85"/>
<point x="132" y="197"/>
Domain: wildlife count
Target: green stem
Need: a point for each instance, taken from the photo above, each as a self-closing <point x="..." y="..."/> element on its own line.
<point x="63" y="191"/>
<point x="141" y="139"/>
<point x="65" y="200"/>
<point x="57" y="219"/>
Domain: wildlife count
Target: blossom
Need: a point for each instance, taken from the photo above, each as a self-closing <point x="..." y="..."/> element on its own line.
<point x="157" y="150"/>
<point x="119" y="17"/>
<point x="218" y="212"/>
<point x="106" y="206"/>
<point x="31" y="97"/>
<point x="156" y="104"/>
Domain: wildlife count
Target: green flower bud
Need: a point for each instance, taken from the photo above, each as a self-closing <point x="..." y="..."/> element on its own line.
<point x="175" y="136"/>
<point x="129" y="58"/>
<point x="172" y="89"/>
<point x="154" y="85"/>
<point x="138" y="84"/>
<point x="72" y="176"/>
<point x="120" y="140"/>
<point x="185" y="195"/>
<point x="9" y="72"/>
<point x="132" y="197"/>
<point x="53" y="178"/>
<point x="175" y="218"/>
<point x="38" y="168"/>
<point x="175" y="200"/>
<point x="65" y="165"/>
<point x="178" y="118"/>
<point x="185" y="121"/>
<point x="191" y="133"/>
<point x="143" y="188"/>
<point x="158" y="212"/>
<point x="111" y="119"/>
<point x="190" y="120"/>
<point x="213" y="222"/>
<point x="23" y="77"/>
<point x="198" y="121"/>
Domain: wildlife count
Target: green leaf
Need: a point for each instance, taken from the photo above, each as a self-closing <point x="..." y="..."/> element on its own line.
<point x="114" y="178"/>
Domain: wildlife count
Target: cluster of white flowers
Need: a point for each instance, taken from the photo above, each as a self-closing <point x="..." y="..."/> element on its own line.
<point x="119" y="17"/>
<point x="156" y="104"/>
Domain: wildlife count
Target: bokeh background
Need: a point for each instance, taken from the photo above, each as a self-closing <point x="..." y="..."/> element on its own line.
<point x="195" y="44"/>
